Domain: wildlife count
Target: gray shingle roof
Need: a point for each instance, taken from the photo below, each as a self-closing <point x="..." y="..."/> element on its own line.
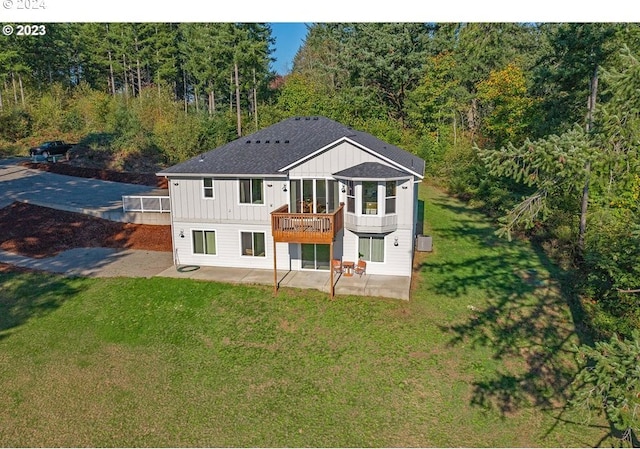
<point x="267" y="151"/>
<point x="370" y="170"/>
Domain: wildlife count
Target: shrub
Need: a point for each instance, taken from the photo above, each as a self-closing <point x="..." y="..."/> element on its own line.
<point x="612" y="267"/>
<point x="15" y="124"/>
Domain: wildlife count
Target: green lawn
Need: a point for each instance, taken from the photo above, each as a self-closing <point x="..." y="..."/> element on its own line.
<point x="479" y="357"/>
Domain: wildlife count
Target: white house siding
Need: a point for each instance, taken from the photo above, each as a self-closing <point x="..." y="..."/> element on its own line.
<point x="333" y="160"/>
<point x="228" y="246"/>
<point x="404" y="202"/>
<point x="398" y="260"/>
<point x="188" y="201"/>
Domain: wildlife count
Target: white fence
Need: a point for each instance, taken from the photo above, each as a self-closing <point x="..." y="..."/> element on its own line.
<point x="158" y="204"/>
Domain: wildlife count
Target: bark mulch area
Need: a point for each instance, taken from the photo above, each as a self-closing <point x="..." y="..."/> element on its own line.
<point x="64" y="168"/>
<point x="6" y="268"/>
<point x="40" y="232"/>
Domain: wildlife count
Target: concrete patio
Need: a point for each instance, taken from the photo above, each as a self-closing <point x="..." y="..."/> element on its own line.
<point x="109" y="262"/>
<point x="397" y="287"/>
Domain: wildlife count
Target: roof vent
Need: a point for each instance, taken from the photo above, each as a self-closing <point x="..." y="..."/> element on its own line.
<point x="286" y="141"/>
<point x="277" y="141"/>
<point x="267" y="141"/>
<point x="257" y="141"/>
<point x="315" y="118"/>
<point x="248" y="141"/>
<point x="201" y="158"/>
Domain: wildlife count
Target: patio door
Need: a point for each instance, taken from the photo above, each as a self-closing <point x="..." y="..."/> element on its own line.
<point x="314" y="196"/>
<point x="315" y="256"/>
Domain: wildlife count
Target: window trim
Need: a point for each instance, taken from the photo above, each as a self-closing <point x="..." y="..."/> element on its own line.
<point x="253" y="244"/>
<point x="350" y="187"/>
<point x="370" y="238"/>
<point x="363" y="201"/>
<point x="394" y="197"/>
<point x="251" y="181"/>
<point x="205" y="188"/>
<point x="204" y="242"/>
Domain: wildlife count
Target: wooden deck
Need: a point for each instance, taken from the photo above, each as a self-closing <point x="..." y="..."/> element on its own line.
<point x="305" y="228"/>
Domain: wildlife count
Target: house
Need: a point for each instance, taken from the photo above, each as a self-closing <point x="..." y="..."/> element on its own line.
<point x="294" y="196"/>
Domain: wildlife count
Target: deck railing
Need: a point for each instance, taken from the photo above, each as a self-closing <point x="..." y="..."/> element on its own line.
<point x="305" y="228"/>
<point x="151" y="203"/>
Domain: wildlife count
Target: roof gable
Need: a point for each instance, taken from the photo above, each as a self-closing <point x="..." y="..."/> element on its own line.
<point x="287" y="143"/>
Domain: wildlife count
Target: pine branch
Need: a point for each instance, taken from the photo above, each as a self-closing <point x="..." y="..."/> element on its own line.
<point x="525" y="212"/>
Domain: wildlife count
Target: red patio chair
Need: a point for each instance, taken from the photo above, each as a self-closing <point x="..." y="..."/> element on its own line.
<point x="336" y="265"/>
<point x="361" y="268"/>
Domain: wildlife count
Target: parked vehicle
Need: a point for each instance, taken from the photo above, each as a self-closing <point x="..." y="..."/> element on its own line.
<point x="51" y="148"/>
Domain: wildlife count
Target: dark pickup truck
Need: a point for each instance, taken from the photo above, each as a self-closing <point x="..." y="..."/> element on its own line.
<point x="54" y="147"/>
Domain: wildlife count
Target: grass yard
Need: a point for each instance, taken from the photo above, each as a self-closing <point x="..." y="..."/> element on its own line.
<point x="480" y="357"/>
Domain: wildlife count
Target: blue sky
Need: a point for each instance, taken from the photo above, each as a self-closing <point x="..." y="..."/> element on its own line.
<point x="289" y="37"/>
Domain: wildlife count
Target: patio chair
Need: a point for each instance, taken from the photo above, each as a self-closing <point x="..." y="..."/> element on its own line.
<point x="336" y="265"/>
<point x="361" y="268"/>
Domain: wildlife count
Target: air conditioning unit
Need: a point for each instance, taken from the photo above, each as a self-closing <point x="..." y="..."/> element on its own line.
<point x="424" y="243"/>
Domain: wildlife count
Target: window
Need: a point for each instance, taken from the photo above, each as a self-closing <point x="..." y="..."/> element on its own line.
<point x="369" y="198"/>
<point x="251" y="191"/>
<point x="371" y="248"/>
<point x="390" y="197"/>
<point x="351" y="197"/>
<point x="204" y="242"/>
<point x="253" y="244"/>
<point x="208" y="187"/>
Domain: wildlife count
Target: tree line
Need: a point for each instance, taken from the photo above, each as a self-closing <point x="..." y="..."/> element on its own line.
<point x="208" y="67"/>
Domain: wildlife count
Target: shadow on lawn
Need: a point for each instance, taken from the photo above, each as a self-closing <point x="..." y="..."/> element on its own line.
<point x="525" y="316"/>
<point x="27" y="295"/>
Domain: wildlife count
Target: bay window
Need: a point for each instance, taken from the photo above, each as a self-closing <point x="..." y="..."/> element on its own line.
<point x="369" y="197"/>
<point x="390" y="197"/>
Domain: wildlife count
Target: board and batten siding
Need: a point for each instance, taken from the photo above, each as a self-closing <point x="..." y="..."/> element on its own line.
<point x="228" y="246"/>
<point x="189" y="204"/>
<point x="333" y="160"/>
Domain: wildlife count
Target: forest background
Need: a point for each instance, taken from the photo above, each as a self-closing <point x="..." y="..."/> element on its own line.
<point x="537" y="124"/>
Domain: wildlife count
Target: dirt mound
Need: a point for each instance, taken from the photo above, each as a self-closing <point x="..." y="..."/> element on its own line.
<point x="65" y="168"/>
<point x="41" y="232"/>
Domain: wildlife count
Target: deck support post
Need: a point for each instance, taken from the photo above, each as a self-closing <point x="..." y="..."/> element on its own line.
<point x="275" y="269"/>
<point x="331" y="286"/>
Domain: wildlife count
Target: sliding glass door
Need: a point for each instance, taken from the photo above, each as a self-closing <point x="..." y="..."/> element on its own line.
<point x="314" y="196"/>
<point x="315" y="256"/>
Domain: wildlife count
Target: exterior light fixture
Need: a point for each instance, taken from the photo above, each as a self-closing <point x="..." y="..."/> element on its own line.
<point x="181" y="233"/>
